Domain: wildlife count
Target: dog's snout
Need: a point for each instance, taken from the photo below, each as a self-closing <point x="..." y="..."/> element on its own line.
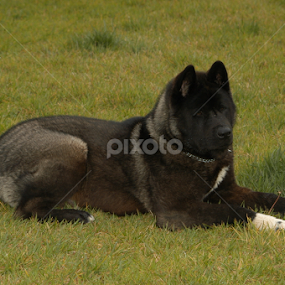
<point x="224" y="132"/>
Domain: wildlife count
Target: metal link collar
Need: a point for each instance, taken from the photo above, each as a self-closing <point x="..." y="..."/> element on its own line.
<point x="204" y="160"/>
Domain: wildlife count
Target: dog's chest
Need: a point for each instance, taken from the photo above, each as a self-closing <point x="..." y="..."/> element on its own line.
<point x="189" y="183"/>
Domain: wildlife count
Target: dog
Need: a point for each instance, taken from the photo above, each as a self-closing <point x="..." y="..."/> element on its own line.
<point x="176" y="162"/>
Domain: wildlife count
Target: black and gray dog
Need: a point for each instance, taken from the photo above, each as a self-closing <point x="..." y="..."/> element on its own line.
<point x="176" y="162"/>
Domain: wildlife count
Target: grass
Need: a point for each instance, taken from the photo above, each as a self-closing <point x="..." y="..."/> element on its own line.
<point x="110" y="59"/>
<point x="96" y="39"/>
<point x="267" y="175"/>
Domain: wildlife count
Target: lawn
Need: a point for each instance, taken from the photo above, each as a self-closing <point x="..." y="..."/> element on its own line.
<point x="110" y="60"/>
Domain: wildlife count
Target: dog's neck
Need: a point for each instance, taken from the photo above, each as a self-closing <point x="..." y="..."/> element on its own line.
<point x="200" y="159"/>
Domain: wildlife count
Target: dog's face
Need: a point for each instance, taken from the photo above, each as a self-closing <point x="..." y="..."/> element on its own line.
<point x="204" y="110"/>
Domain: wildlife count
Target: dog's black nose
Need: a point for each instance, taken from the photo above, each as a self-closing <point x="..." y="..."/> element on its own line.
<point x="224" y="132"/>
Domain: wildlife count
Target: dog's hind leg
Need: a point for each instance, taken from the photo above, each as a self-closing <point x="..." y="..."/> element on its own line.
<point x="51" y="186"/>
<point x="43" y="210"/>
<point x="54" y="182"/>
<point x="42" y="174"/>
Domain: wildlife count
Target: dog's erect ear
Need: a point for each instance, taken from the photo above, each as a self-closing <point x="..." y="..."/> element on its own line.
<point x="185" y="81"/>
<point x="218" y="74"/>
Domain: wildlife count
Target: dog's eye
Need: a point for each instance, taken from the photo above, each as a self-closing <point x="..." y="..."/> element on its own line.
<point x="222" y="108"/>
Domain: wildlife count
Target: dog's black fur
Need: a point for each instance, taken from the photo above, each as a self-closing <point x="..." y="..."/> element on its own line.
<point x="47" y="162"/>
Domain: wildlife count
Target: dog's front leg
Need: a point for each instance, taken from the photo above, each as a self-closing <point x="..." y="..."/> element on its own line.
<point x="205" y="215"/>
<point x="250" y="199"/>
<point x="202" y="214"/>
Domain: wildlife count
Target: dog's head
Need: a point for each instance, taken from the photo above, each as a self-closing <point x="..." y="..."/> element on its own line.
<point x="202" y="107"/>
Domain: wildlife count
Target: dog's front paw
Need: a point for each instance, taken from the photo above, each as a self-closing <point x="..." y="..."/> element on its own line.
<point x="262" y="221"/>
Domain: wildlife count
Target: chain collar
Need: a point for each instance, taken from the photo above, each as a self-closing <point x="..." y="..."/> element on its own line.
<point x="200" y="159"/>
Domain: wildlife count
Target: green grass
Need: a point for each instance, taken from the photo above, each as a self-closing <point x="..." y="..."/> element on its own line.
<point x="267" y="175"/>
<point x="110" y="59"/>
<point x="96" y="39"/>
